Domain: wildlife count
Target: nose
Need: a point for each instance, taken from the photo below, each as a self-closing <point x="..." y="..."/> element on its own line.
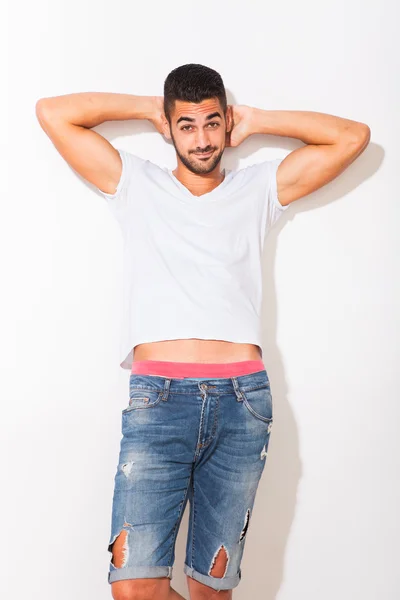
<point x="202" y="140"/>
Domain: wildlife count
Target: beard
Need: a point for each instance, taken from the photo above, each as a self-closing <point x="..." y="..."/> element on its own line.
<point x="192" y="163"/>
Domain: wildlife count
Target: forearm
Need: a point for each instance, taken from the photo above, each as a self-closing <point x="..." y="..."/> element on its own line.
<point x="89" y="109"/>
<point x="310" y="127"/>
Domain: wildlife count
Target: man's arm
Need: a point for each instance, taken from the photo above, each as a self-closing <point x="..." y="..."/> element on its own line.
<point x="67" y="121"/>
<point x="333" y="143"/>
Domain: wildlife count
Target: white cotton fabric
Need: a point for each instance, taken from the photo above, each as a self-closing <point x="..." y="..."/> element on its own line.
<point x="192" y="264"/>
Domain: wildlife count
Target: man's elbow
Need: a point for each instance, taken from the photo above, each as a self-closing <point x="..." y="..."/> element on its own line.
<point x="42" y="108"/>
<point x="355" y="140"/>
<point x="361" y="135"/>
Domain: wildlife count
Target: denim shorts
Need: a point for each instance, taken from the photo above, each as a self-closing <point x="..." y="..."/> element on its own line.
<point x="199" y="439"/>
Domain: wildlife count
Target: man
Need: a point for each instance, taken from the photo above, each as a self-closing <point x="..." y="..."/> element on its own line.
<point x="200" y="408"/>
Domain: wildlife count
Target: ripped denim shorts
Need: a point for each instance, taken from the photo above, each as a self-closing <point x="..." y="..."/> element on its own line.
<point x="201" y="440"/>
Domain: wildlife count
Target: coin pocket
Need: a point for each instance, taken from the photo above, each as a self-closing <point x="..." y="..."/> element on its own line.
<point x="141" y="399"/>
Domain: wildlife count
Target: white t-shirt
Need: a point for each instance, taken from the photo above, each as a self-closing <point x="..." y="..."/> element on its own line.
<point x="192" y="264"/>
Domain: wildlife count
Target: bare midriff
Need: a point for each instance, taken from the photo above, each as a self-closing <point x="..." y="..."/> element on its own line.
<point x="197" y="351"/>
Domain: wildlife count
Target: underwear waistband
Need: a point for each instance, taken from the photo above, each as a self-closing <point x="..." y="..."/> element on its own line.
<point x="180" y="370"/>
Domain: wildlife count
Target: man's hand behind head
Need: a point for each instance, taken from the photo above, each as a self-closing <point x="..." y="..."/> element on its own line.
<point x="158" y="116"/>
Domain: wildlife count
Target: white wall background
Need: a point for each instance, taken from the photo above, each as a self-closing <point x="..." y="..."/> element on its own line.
<point x="326" y="521"/>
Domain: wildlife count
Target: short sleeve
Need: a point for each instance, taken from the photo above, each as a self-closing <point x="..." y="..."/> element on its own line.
<point x="266" y="177"/>
<point x="120" y="201"/>
<point x="274" y="209"/>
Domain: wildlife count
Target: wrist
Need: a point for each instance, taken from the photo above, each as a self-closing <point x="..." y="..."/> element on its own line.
<point x="264" y="121"/>
<point x="155" y="107"/>
<point x="254" y="120"/>
<point x="141" y="107"/>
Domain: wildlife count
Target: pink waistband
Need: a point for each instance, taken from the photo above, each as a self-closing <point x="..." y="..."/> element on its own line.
<point x="180" y="370"/>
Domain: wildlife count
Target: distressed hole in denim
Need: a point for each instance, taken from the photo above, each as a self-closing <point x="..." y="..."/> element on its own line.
<point x="219" y="564"/>
<point x="127" y="468"/>
<point x="120" y="549"/>
<point x="245" y="526"/>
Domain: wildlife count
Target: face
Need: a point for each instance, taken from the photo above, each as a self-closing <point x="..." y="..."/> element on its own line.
<point x="198" y="132"/>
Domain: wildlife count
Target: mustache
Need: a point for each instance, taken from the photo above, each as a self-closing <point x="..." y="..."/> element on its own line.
<point x="202" y="151"/>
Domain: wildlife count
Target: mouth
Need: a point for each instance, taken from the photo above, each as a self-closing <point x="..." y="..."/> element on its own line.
<point x="204" y="154"/>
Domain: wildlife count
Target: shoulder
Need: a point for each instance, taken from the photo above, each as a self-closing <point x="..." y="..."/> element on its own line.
<point x="133" y="165"/>
<point x="263" y="168"/>
<point x="261" y="173"/>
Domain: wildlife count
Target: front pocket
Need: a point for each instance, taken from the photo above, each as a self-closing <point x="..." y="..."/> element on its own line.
<point x="259" y="403"/>
<point x="142" y="398"/>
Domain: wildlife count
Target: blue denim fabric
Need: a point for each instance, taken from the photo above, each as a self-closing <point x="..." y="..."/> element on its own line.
<point x="202" y="440"/>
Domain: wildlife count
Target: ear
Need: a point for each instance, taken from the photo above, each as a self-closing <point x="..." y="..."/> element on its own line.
<point x="229" y="118"/>
<point x="166" y="131"/>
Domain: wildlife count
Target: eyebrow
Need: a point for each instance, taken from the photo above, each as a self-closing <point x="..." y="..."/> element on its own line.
<point x="191" y="120"/>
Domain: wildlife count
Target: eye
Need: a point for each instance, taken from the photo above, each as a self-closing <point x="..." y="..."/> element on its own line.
<point x="186" y="127"/>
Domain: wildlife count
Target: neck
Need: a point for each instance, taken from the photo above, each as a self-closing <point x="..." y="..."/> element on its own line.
<point x="198" y="184"/>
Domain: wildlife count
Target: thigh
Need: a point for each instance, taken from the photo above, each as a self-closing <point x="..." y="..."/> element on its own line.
<point x="150" y="485"/>
<point x="224" y="485"/>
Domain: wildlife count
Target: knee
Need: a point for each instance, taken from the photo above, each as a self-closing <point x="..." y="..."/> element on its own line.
<point x="141" y="589"/>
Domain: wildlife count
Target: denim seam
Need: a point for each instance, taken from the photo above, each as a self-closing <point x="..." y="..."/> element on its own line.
<point x="193" y="526"/>
<point x="253" y="412"/>
<point x="130" y="408"/>
<point x="251" y="409"/>
<point x="145" y="389"/>
<point x="197" y="453"/>
<point x="215" y="425"/>
<point x="114" y="575"/>
<point x="217" y="393"/>
<point x="233" y="580"/>
<point x="174" y="534"/>
<point x="211" y="393"/>
<point x="251" y="389"/>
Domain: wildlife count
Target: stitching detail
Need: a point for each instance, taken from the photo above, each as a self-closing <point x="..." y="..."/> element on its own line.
<point x="174" y="534"/>
<point x="193" y="527"/>
<point x="203" y="404"/>
<point x="265" y="419"/>
<point x="215" y="425"/>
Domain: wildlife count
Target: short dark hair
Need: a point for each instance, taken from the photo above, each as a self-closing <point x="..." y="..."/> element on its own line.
<point x="193" y="83"/>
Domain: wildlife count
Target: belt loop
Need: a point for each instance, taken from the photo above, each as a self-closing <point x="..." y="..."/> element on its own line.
<point x="166" y="389"/>
<point x="239" y="396"/>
